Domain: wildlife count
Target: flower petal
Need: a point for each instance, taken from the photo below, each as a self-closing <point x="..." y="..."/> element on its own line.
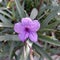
<point x="26" y="21"/>
<point x="35" y="26"/>
<point x="18" y="27"/>
<point x="23" y="36"/>
<point x="33" y="37"/>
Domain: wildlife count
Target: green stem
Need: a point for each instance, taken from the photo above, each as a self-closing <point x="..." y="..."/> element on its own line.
<point x="28" y="47"/>
<point x="26" y="51"/>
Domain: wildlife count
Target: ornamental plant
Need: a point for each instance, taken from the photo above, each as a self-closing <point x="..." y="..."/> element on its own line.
<point x="29" y="29"/>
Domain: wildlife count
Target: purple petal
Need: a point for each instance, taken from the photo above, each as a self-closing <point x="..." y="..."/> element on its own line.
<point x="18" y="27"/>
<point x="35" y="26"/>
<point x="33" y="37"/>
<point x="26" y="21"/>
<point x="23" y="36"/>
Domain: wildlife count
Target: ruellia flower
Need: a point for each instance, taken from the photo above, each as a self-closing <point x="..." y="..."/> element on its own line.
<point x="27" y="29"/>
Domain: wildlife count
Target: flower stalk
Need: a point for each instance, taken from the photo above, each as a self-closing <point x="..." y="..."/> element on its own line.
<point x="28" y="48"/>
<point x="26" y="51"/>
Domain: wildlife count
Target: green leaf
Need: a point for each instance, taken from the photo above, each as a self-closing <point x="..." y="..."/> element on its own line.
<point x="14" y="47"/>
<point x="6" y="9"/>
<point x="6" y="14"/>
<point x="34" y="13"/>
<point x="48" y="40"/>
<point x="47" y="29"/>
<point x="5" y="25"/>
<point x="54" y="51"/>
<point x="20" y="9"/>
<point x="11" y="50"/>
<point x="49" y="17"/>
<point x="9" y="38"/>
<point x="53" y="25"/>
<point x="4" y="20"/>
<point x="40" y="51"/>
<point x="42" y="9"/>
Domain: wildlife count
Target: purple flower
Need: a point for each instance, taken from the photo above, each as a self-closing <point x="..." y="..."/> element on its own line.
<point x="27" y="29"/>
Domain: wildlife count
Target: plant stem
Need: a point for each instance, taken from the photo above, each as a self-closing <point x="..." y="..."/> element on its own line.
<point x="26" y="51"/>
<point x="28" y="47"/>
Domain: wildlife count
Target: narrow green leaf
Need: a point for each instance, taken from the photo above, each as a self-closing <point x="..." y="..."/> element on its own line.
<point x="53" y="25"/>
<point x="4" y="13"/>
<point x="5" y="25"/>
<point x="9" y="38"/>
<point x="20" y="9"/>
<point x="11" y="50"/>
<point x="54" y="51"/>
<point x="6" y="9"/>
<point x="40" y="51"/>
<point x="4" y="20"/>
<point x="49" y="18"/>
<point x="47" y="29"/>
<point x="9" y="11"/>
<point x="48" y="40"/>
<point x="42" y="9"/>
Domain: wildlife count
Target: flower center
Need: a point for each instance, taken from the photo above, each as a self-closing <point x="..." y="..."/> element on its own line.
<point x="27" y="29"/>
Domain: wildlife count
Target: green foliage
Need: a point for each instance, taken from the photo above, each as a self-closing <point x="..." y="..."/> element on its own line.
<point x="45" y="13"/>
